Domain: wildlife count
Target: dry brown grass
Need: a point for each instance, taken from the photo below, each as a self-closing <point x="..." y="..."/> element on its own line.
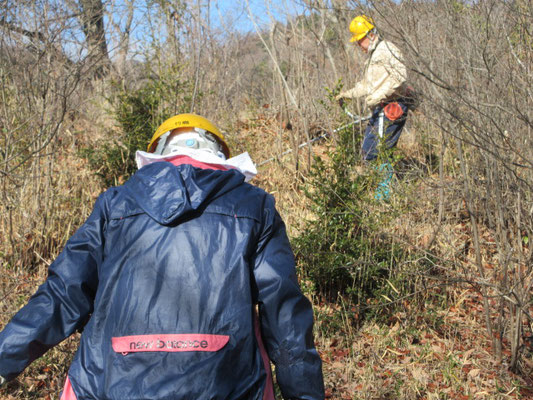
<point x="437" y="349"/>
<point x="33" y="235"/>
<point x="406" y="360"/>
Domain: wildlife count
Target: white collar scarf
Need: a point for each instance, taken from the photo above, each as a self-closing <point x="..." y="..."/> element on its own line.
<point x="243" y="163"/>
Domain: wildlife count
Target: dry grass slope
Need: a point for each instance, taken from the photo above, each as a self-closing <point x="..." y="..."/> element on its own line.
<point x="431" y="350"/>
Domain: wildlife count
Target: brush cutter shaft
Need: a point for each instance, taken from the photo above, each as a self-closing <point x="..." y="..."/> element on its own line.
<point x="356" y="119"/>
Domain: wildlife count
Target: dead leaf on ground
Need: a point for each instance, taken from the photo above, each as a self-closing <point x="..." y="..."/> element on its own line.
<point x="420" y="375"/>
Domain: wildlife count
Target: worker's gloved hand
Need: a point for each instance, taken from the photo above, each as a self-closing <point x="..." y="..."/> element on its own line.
<point x="2" y="380"/>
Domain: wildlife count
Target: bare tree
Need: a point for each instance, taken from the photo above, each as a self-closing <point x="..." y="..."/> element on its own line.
<point x="121" y="20"/>
<point x="92" y="19"/>
<point x="473" y="65"/>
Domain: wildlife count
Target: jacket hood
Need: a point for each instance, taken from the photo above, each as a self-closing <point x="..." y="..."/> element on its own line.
<point x="167" y="192"/>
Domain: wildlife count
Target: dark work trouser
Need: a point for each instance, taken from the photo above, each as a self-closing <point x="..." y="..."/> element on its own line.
<point x="391" y="131"/>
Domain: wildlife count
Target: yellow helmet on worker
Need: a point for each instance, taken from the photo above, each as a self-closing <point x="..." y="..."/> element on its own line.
<point x="194" y="131"/>
<point x="360" y="27"/>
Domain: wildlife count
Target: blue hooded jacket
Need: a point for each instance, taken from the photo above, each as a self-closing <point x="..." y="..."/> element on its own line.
<point x="174" y="274"/>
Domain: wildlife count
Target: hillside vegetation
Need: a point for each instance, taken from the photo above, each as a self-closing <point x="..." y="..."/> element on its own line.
<point x="426" y="296"/>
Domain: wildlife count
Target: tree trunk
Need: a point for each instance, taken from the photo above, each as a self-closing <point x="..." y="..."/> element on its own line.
<point x="92" y="20"/>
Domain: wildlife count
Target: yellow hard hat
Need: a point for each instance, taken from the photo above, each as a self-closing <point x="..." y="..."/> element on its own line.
<point x="188" y="121"/>
<point x="360" y="26"/>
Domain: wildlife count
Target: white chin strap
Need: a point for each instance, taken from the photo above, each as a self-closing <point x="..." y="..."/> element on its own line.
<point x="198" y="139"/>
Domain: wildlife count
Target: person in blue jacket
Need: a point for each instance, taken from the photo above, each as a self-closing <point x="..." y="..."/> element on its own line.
<point x="183" y="281"/>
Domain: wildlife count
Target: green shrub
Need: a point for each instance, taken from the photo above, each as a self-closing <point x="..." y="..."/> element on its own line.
<point x="138" y="113"/>
<point x="343" y="250"/>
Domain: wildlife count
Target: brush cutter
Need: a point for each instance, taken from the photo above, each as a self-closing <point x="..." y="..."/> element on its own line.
<point x="355" y="120"/>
